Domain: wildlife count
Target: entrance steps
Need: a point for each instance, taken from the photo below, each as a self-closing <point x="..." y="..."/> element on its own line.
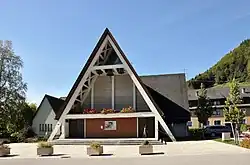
<point x="102" y="142"/>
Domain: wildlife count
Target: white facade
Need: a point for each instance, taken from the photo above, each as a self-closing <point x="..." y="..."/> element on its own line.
<point x="44" y="121"/>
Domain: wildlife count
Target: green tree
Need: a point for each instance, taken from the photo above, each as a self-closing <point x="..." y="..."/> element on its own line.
<point x="28" y="111"/>
<point x="204" y="108"/>
<point x="12" y="89"/>
<point x="232" y="112"/>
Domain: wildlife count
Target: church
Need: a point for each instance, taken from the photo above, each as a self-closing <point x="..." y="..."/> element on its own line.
<point x="109" y="100"/>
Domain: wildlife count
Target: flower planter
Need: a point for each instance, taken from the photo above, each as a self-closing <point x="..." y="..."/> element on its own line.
<point x="94" y="151"/>
<point x="145" y="149"/>
<point x="45" y="151"/>
<point x="4" y="151"/>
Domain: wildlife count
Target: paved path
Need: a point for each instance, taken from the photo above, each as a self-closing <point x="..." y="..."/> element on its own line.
<point x="207" y="159"/>
<point x="28" y="150"/>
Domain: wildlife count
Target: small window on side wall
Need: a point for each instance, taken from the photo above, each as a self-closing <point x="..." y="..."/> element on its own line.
<point x="42" y="127"/>
<point x="217" y="122"/>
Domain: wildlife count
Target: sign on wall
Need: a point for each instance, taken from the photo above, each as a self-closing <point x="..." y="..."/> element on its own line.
<point x="110" y="125"/>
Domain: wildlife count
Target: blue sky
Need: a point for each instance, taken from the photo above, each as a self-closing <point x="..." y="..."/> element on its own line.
<point x="55" y="37"/>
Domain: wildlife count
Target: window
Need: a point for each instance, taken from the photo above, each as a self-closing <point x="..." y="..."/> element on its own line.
<point x="45" y="127"/>
<point x="42" y="127"/>
<point x="208" y="122"/>
<point x="217" y="122"/>
<point x="216" y="112"/>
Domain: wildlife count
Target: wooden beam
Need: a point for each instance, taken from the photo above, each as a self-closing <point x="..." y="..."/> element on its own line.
<point x="92" y="96"/>
<point x="102" y="67"/>
<point x="134" y="96"/>
<point x="115" y="71"/>
<point x="156" y="129"/>
<point x="113" y="91"/>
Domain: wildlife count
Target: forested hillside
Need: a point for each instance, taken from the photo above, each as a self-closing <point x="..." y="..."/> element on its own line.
<point x="235" y="64"/>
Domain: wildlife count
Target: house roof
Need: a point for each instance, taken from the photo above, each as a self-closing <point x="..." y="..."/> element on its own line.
<point x="171" y="86"/>
<point x="54" y="102"/>
<point x="104" y="35"/>
<point x="217" y="93"/>
<point x="108" y="33"/>
<point x="173" y="112"/>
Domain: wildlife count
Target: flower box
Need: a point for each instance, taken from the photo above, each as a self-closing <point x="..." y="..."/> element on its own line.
<point x="127" y="110"/>
<point x="45" y="149"/>
<point x="106" y="111"/>
<point x="89" y="111"/>
<point x="94" y="151"/>
<point x="4" y="150"/>
<point x="145" y="149"/>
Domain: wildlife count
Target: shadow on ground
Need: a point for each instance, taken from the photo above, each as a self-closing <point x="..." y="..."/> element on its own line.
<point x="155" y="153"/>
<point x="53" y="155"/>
<point x="8" y="156"/>
<point x="103" y="155"/>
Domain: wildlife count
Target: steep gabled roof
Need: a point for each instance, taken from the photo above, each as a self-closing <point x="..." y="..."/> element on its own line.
<point x="86" y="66"/>
<point x="131" y="71"/>
<point x="54" y="102"/>
<point x="92" y="55"/>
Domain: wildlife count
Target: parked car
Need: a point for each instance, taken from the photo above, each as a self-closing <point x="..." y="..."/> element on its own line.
<point x="216" y="130"/>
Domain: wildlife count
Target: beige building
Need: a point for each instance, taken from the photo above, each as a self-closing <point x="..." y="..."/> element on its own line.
<point x="218" y="97"/>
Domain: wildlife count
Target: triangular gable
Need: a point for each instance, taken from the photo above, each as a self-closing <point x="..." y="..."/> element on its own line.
<point x="94" y="59"/>
<point x="54" y="102"/>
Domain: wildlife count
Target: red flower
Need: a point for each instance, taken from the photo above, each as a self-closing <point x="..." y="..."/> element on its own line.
<point x="89" y="111"/>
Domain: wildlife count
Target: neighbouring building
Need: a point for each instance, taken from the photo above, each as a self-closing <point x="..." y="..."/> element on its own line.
<point x="218" y="97"/>
<point x="44" y="118"/>
<point x="109" y="100"/>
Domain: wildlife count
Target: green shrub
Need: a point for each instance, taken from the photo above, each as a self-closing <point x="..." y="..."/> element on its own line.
<point x="21" y="135"/>
<point x="42" y="138"/>
<point x="17" y="137"/>
<point x="44" y="145"/>
<point x="145" y="142"/>
<point x="245" y="143"/>
<point x="243" y="128"/>
<point x="95" y="145"/>
<point x="196" y="133"/>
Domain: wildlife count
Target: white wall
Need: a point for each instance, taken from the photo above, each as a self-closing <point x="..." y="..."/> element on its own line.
<point x="45" y="115"/>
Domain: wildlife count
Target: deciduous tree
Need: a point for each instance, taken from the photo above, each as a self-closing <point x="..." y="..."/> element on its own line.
<point x="12" y="89"/>
<point x="232" y="112"/>
<point x="204" y="108"/>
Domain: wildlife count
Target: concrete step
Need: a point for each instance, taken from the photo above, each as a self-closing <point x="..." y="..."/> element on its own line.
<point x="102" y="142"/>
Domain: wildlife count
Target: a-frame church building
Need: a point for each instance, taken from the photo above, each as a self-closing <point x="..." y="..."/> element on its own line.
<point x="109" y="100"/>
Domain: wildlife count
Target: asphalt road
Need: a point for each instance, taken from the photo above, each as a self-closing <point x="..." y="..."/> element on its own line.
<point x="227" y="159"/>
